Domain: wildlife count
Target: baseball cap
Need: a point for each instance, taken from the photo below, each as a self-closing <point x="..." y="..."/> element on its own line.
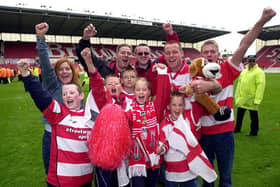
<point x="251" y="58"/>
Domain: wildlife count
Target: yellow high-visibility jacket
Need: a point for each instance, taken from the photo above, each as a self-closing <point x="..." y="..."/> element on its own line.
<point x="250" y="88"/>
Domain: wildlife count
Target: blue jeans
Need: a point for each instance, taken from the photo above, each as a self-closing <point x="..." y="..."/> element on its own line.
<point x="46" y="149"/>
<point x="191" y="183"/>
<point x="220" y="147"/>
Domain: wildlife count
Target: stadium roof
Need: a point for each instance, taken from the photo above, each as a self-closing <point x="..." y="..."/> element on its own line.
<point x="23" y="20"/>
<point x="267" y="33"/>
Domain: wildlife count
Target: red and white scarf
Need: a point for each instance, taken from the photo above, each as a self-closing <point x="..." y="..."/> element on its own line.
<point x="145" y="135"/>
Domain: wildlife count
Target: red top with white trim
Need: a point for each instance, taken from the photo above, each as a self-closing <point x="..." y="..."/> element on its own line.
<point x="69" y="164"/>
<point x="181" y="78"/>
<point x="229" y="72"/>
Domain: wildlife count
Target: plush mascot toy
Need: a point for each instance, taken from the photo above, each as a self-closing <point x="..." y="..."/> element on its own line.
<point x="200" y="69"/>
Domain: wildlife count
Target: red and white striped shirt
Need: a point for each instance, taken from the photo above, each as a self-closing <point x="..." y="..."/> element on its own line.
<point x="69" y="163"/>
<point x="229" y="72"/>
<point x="181" y="78"/>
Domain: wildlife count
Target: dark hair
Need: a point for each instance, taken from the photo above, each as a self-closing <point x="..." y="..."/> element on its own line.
<point x="108" y="76"/>
<point x="176" y="93"/>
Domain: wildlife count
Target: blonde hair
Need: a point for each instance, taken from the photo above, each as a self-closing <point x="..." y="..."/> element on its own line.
<point x="141" y="45"/>
<point x="145" y="81"/>
<point x="129" y="69"/>
<point x="174" y="42"/>
<point x="210" y="42"/>
<point x="123" y="45"/>
<point x="79" y="88"/>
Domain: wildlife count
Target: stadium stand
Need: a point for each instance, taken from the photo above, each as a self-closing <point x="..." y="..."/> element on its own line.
<point x="17" y="50"/>
<point x="269" y="57"/>
<point x="71" y="24"/>
<point x="21" y="20"/>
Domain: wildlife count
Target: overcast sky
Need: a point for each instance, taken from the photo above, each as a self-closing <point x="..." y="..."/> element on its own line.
<point x="232" y="15"/>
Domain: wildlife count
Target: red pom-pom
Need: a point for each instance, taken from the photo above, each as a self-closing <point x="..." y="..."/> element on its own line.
<point x="110" y="139"/>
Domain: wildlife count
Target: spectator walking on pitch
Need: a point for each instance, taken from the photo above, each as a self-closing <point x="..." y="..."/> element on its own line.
<point x="249" y="94"/>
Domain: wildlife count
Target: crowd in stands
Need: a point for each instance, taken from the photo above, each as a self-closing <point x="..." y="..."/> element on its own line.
<point x="169" y="130"/>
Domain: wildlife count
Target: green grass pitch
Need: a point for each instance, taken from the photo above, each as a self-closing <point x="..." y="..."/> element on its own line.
<point x="256" y="162"/>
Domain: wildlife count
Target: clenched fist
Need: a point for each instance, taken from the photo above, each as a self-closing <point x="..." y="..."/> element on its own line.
<point x="89" y="32"/>
<point x="41" y="29"/>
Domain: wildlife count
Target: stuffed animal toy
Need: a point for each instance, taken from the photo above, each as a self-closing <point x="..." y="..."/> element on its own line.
<point x="199" y="68"/>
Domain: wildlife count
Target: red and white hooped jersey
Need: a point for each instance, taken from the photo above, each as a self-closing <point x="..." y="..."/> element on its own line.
<point x="229" y="72"/>
<point x="69" y="163"/>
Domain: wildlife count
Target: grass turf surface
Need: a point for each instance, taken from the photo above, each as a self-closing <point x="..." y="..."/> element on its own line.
<point x="256" y="161"/>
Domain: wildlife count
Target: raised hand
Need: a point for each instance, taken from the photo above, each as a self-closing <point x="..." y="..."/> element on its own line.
<point x="167" y="27"/>
<point x="23" y="66"/>
<point x="41" y="29"/>
<point x="160" y="66"/>
<point x="267" y="14"/>
<point x="86" y="54"/>
<point x="89" y="32"/>
<point x="159" y="150"/>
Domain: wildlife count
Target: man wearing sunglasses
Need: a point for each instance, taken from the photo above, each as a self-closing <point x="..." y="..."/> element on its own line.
<point x="249" y="94"/>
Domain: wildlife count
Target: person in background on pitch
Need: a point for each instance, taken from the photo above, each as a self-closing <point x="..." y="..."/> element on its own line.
<point x="249" y="94"/>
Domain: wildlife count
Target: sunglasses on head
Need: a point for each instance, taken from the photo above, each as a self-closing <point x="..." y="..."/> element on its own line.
<point x="143" y="53"/>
